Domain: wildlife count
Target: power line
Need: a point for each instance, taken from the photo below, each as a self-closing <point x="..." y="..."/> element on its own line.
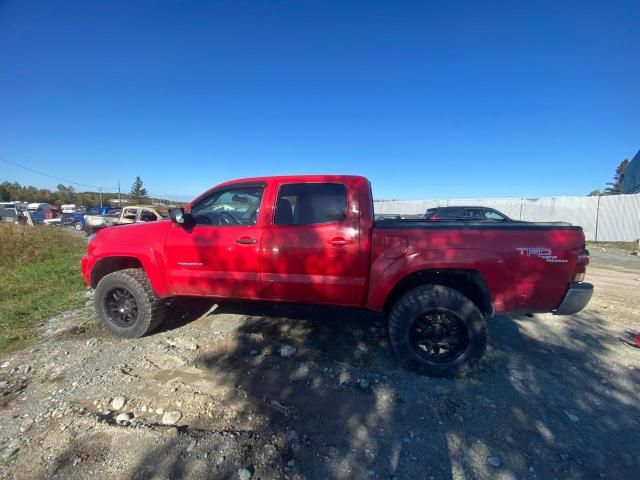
<point x="103" y="189"/>
<point x="57" y="178"/>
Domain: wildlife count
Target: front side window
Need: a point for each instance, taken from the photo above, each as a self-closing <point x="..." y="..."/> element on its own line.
<point x="310" y="203"/>
<point x="130" y="213"/>
<point x="238" y="206"/>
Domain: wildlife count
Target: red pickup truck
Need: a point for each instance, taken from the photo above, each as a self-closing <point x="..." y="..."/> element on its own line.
<point x="313" y="239"/>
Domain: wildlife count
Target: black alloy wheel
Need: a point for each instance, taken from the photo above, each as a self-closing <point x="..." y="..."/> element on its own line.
<point x="439" y="335"/>
<point x="121" y="307"/>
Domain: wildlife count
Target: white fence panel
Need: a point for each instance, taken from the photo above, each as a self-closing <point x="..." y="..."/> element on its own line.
<point x="619" y="218"/>
<point x="581" y="211"/>
<point x="613" y="218"/>
<point x="403" y="207"/>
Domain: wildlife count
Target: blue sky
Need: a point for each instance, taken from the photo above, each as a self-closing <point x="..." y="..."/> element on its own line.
<point x="427" y="99"/>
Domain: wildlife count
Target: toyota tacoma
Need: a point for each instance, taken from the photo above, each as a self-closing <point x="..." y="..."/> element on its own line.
<point x="313" y="239"/>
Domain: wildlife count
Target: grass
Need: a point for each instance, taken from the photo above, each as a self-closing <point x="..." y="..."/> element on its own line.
<point x="39" y="277"/>
<point x="631" y="246"/>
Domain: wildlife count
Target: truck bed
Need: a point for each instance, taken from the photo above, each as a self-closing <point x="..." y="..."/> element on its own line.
<point x="513" y="257"/>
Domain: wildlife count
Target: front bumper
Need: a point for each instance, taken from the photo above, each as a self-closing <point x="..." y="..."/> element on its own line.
<point x="576" y="298"/>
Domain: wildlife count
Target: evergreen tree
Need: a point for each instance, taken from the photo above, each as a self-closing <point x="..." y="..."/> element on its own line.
<point x="138" y="194"/>
<point x="615" y="187"/>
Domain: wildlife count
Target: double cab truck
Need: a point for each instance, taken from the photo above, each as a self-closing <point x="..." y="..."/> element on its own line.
<point x="313" y="239"/>
<point x="121" y="216"/>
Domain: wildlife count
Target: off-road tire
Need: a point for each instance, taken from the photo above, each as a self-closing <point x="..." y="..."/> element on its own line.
<point x="151" y="309"/>
<point x="422" y="299"/>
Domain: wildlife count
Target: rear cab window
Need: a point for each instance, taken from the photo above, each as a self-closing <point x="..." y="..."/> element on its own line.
<point x="310" y="204"/>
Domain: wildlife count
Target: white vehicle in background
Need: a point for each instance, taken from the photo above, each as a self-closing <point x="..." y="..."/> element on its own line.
<point x="12" y="212"/>
<point x="9" y="214"/>
<point x="121" y="216"/>
<point x="68" y="208"/>
<point x="19" y="206"/>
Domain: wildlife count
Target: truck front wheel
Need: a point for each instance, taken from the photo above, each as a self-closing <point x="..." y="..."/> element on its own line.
<point x="126" y="304"/>
<point x="437" y="331"/>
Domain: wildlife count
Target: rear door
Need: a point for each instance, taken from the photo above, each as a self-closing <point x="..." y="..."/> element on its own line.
<point x="311" y="245"/>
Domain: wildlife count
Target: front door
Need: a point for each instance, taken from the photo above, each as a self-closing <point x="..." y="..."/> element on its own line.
<point x="310" y="249"/>
<point x="219" y="256"/>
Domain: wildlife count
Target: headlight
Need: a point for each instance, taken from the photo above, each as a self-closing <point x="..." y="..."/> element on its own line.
<point x="91" y="237"/>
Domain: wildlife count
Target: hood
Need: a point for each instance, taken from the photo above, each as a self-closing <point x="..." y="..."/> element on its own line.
<point x="135" y="232"/>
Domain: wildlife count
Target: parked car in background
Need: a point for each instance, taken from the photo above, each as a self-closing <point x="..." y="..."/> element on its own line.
<point x="69" y="220"/>
<point x="132" y="214"/>
<point x="78" y="216"/>
<point x="40" y="212"/>
<point x="466" y="213"/>
<point x="9" y="215"/>
<point x="68" y="208"/>
<point x="18" y="206"/>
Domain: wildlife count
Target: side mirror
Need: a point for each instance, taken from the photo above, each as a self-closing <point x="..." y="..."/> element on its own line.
<point x="179" y="216"/>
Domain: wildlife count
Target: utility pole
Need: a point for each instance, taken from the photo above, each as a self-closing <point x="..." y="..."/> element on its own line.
<point x="100" y="197"/>
<point x="119" y="199"/>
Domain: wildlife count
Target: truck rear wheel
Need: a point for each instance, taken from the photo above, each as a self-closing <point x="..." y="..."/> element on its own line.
<point x="126" y="304"/>
<point x="437" y="331"/>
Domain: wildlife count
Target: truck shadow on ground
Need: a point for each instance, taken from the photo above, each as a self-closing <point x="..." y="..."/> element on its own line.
<point x="540" y="404"/>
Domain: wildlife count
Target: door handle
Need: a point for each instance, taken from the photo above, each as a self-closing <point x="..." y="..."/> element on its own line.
<point x="246" y="241"/>
<point x="339" y="242"/>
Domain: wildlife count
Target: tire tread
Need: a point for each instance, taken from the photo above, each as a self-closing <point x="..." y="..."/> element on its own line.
<point x="152" y="309"/>
<point x="415" y="300"/>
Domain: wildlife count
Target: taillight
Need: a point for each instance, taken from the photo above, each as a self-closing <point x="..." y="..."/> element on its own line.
<point x="584" y="257"/>
<point x="581" y="266"/>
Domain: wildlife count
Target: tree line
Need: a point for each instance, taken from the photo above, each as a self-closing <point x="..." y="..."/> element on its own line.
<point x="63" y="194"/>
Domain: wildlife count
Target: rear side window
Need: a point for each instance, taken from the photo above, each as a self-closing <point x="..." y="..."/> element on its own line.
<point x="147" y="216"/>
<point x="310" y="204"/>
<point x="473" y="213"/>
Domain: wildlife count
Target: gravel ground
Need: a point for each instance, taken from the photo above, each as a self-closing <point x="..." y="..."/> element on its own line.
<point x="270" y="391"/>
<point x="614" y="258"/>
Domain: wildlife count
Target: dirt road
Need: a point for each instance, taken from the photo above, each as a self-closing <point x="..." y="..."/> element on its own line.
<point x="220" y="397"/>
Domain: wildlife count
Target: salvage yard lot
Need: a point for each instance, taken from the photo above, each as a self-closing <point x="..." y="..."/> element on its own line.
<point x="555" y="397"/>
